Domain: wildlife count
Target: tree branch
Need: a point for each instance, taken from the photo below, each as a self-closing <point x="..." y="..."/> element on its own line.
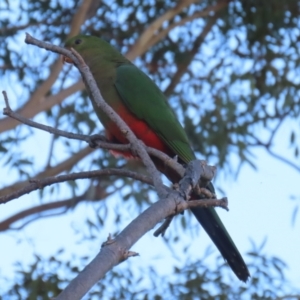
<point x="35" y="212"/>
<point x="93" y="193"/>
<point x="223" y="203"/>
<point x="267" y="147"/>
<point x="35" y="184"/>
<point x="114" y="251"/>
<point x="52" y="171"/>
<point x="152" y="35"/>
<point x="283" y="159"/>
<point x="80" y="17"/>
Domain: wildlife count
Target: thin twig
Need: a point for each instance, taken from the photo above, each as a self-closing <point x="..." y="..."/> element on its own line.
<point x="223" y="203"/>
<point x="92" y="193"/>
<point x="36" y="184"/>
<point x="267" y="147"/>
<point x="161" y="230"/>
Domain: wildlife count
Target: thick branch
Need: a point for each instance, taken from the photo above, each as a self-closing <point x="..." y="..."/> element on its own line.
<point x="142" y="43"/>
<point x="154" y="33"/>
<point x="155" y="38"/>
<point x="80" y="17"/>
<point x="115" y="251"/>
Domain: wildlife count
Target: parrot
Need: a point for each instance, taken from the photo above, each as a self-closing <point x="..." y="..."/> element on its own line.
<point x="142" y="105"/>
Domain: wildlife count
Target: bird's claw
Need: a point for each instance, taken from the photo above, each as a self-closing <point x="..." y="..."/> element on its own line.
<point x="93" y="139"/>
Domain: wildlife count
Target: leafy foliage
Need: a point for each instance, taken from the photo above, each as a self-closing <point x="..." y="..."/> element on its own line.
<point x="42" y="281"/>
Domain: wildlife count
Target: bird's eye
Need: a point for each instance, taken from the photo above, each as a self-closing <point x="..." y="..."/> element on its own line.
<point x="77" y="42"/>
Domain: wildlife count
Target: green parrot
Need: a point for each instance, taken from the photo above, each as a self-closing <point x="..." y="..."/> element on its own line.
<point x="143" y="106"/>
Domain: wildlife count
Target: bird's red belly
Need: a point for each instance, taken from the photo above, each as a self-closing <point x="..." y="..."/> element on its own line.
<point x="140" y="129"/>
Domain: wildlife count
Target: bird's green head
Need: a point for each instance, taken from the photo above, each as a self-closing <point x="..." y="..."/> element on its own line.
<point x="91" y="46"/>
<point x="80" y="42"/>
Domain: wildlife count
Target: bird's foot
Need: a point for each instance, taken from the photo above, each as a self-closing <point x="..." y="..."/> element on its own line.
<point x="93" y="139"/>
